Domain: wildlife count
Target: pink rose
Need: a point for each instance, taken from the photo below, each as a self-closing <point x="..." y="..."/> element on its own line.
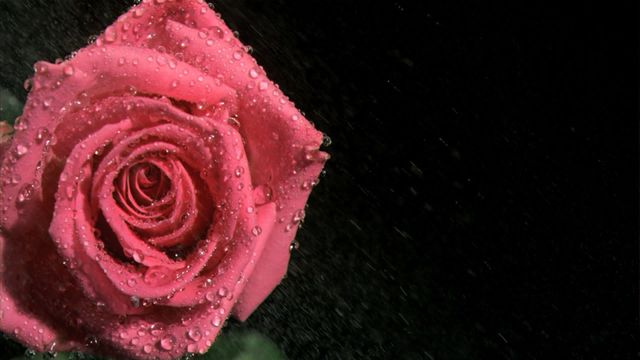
<point x="151" y="189"/>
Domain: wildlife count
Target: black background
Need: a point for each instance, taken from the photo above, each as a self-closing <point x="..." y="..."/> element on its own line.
<point x="481" y="200"/>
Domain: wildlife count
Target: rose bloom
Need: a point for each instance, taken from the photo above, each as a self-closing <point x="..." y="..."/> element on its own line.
<point x="152" y="188"/>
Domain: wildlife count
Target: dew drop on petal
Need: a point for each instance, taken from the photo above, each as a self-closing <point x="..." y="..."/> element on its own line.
<point x="184" y="42"/>
<point x="216" y="321"/>
<point x="25" y="193"/>
<point x="156" y="329"/>
<point x="138" y="11"/>
<point x="262" y="194"/>
<point x="110" y="34"/>
<point x="68" y="70"/>
<point x="137" y="256"/>
<point x="216" y="31"/>
<point x="147" y="348"/>
<point x="69" y="191"/>
<point x="194" y="334"/>
<point x="253" y="73"/>
<point x="167" y="342"/>
<point x="21" y="150"/>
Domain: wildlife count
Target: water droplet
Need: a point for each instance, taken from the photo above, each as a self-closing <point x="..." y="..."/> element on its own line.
<point x="257" y="230"/>
<point x="137" y="256"/>
<point x="194" y="334"/>
<point x="216" y="321"/>
<point x="155" y="275"/>
<point x="15" y="178"/>
<point x="326" y="140"/>
<point x="135" y="301"/>
<point x="28" y="84"/>
<point x="174" y="84"/>
<point x="167" y="342"/>
<point x="263" y="85"/>
<point x="18" y="124"/>
<point x="138" y="11"/>
<point x="210" y="296"/>
<point x="42" y="134"/>
<point x="21" y="150"/>
<point x="156" y="329"/>
<point x="110" y="35"/>
<point x="47" y="102"/>
<point x="121" y="61"/>
<point x="316" y="155"/>
<point x="202" y="34"/>
<point x="135" y="341"/>
<point x="250" y="209"/>
<point x="91" y="340"/>
<point x="239" y="171"/>
<point x="253" y="73"/>
<point x="69" y="191"/>
<point x="262" y="194"/>
<point x="222" y="292"/>
<point x="184" y="42"/>
<point x="147" y="348"/>
<point x="132" y="282"/>
<point x="295" y="245"/>
<point x="298" y="216"/>
<point x="237" y="55"/>
<point x="209" y="42"/>
<point x="217" y="32"/>
<point x="68" y="70"/>
<point x="295" y="117"/>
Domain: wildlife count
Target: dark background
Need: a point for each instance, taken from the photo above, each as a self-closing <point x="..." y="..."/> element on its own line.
<point x="481" y="200"/>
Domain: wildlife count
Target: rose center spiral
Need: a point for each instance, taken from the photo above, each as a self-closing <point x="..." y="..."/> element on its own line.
<point x="148" y="183"/>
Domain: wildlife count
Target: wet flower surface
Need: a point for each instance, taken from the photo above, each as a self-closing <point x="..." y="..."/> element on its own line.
<point x="152" y="188"/>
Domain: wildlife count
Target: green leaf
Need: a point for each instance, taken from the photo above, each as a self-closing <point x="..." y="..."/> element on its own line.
<point x="234" y="345"/>
<point x="248" y="345"/>
<point x="10" y="106"/>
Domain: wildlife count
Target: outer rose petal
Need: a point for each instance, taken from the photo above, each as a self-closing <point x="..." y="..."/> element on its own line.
<point x="20" y="322"/>
<point x="272" y="263"/>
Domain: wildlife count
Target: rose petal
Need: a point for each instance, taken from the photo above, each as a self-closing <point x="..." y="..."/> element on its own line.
<point x="16" y="315"/>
